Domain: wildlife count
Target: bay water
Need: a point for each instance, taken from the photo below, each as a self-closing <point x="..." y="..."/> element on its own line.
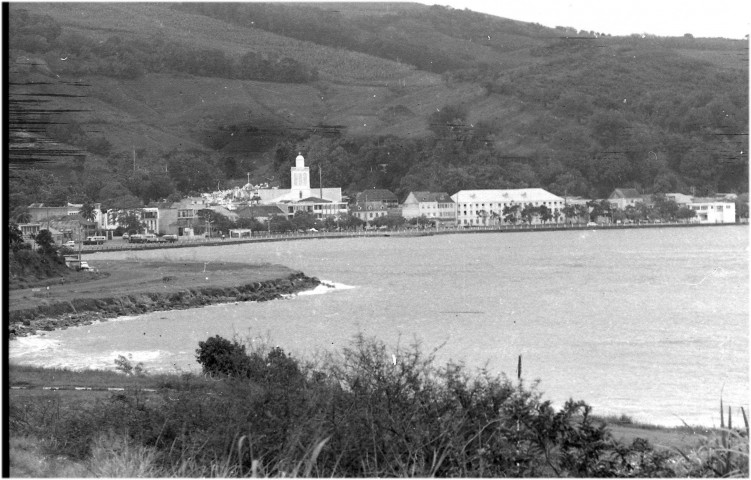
<point x="650" y="323"/>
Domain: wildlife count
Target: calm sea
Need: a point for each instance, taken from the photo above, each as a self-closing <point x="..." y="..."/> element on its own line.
<point x="651" y="323"/>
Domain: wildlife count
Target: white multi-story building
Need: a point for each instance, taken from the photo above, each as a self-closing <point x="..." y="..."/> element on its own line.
<point x="710" y="210"/>
<point x="435" y="206"/>
<point x="485" y="207"/>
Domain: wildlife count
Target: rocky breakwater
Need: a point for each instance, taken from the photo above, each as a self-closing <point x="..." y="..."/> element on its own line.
<point x="84" y="311"/>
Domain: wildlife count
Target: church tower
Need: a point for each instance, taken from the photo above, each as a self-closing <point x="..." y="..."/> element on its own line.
<point x="300" y="177"/>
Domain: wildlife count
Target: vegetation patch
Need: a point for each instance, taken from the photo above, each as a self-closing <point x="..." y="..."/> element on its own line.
<point x="367" y="411"/>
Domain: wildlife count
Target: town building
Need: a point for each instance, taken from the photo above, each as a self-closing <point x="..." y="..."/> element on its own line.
<point x="711" y="210"/>
<point x="318" y="207"/>
<point x="624" y="197"/>
<point x="30" y="230"/>
<point x="63" y="223"/>
<point x="438" y="207"/>
<point x="300" y="183"/>
<point x="321" y="202"/>
<point x="39" y="212"/>
<point x="485" y="207"/>
<point x="373" y="203"/>
<point x="262" y="213"/>
<point x="681" y="199"/>
<point x="179" y="218"/>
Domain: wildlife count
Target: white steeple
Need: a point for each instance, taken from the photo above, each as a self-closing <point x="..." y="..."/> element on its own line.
<point x="300" y="176"/>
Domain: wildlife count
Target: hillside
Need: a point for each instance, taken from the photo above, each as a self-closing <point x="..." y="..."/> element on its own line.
<point x="398" y="96"/>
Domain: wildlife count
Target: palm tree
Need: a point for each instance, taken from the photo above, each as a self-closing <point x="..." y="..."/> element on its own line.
<point x="21" y="215"/>
<point x="545" y="213"/>
<point x="88" y="213"/>
<point x="495" y="217"/>
<point x="510" y="213"/>
<point x="482" y="215"/>
<point x="528" y="212"/>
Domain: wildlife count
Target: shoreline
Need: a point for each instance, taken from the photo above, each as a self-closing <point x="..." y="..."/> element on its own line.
<point x="118" y="245"/>
<point x="139" y="288"/>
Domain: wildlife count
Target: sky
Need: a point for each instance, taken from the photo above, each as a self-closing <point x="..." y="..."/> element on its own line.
<point x="701" y="18"/>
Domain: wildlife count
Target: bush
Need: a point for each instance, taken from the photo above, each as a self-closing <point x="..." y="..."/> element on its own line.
<point x="125" y="365"/>
<point x="219" y="356"/>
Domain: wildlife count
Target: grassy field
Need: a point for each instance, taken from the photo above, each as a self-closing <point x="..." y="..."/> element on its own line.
<point x="136" y="277"/>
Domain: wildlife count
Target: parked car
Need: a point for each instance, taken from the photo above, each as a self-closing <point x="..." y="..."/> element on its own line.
<point x="591" y="224"/>
<point x="84" y="266"/>
<point x="95" y="240"/>
<point x="126" y="236"/>
<point x="170" y="238"/>
<point x="151" y="238"/>
<point x="70" y="244"/>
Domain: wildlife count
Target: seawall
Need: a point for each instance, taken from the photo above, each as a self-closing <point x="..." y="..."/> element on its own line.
<point x="84" y="311"/>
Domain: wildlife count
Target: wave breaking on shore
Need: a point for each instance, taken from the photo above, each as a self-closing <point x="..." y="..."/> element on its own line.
<point x="326" y="286"/>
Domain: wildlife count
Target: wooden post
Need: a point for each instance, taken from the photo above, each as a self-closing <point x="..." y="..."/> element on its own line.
<point x="519" y="369"/>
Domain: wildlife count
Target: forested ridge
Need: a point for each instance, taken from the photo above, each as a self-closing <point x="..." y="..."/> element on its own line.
<point x="153" y="101"/>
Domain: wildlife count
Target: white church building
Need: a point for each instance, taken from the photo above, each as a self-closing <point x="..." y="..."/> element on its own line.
<point x="321" y="202"/>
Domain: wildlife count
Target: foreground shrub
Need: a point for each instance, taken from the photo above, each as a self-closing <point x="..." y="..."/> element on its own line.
<point x="367" y="411"/>
<point x="219" y="356"/>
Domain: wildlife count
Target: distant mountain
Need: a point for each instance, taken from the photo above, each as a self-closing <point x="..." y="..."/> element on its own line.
<point x="145" y="100"/>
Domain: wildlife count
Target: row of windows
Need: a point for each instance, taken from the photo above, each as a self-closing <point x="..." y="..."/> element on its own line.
<point x="719" y="208"/>
<point x="502" y="205"/>
<point x="441" y="214"/>
<point x="472" y="221"/>
<point x="475" y="213"/>
<point x="434" y="206"/>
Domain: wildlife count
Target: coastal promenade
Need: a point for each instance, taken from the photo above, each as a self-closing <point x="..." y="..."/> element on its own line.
<point x="263" y="236"/>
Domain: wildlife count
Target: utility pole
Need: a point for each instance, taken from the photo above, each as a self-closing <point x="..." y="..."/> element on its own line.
<point x="134" y="159"/>
<point x="320" y="182"/>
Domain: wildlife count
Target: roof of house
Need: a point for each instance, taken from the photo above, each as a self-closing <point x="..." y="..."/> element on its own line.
<point x="258" y="211"/>
<point x="679" y="197"/>
<point x="710" y="200"/>
<point x="432" y="197"/>
<point x="376" y="195"/>
<point x="520" y="195"/>
<point x="625" y="193"/>
<point x="314" y="200"/>
<point x="221" y="210"/>
<point x="68" y="222"/>
<point x="162" y="205"/>
<point x="195" y="202"/>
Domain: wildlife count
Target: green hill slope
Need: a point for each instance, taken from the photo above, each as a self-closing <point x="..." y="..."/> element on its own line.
<point x="445" y="98"/>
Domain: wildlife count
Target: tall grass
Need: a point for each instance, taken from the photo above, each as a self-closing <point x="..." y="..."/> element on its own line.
<point x="724" y="453"/>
